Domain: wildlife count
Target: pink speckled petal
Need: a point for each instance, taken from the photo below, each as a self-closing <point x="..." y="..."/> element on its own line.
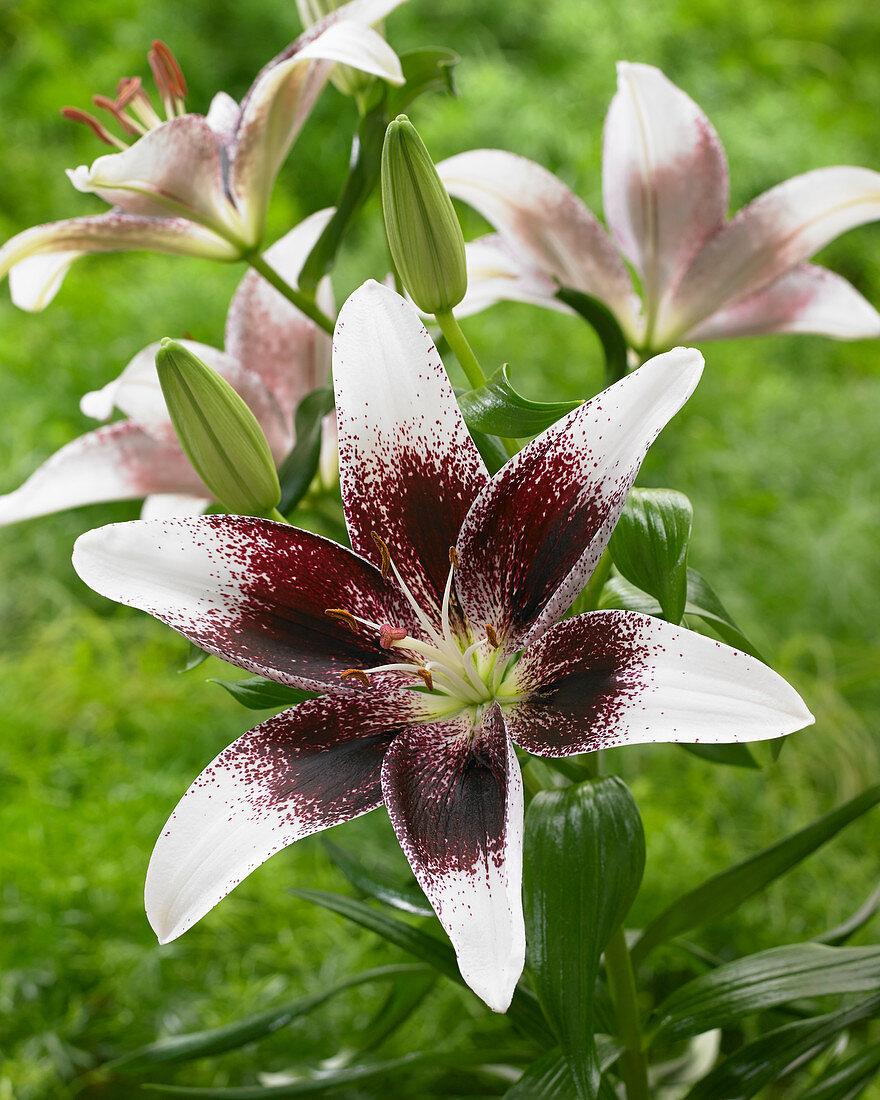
<point x="455" y="799"/>
<point x="302" y="771"/>
<point x="545" y="221"/>
<point x="535" y="533"/>
<point x="664" y="178"/>
<point x="408" y="467"/>
<point x="119" y="462"/>
<point x="250" y="591"/>
<point x="269" y="335"/>
<point x="782" y="227"/>
<point x="618" y="678"/>
<point x="808" y="298"/>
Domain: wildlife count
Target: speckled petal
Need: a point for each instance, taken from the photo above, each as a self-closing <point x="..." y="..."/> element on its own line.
<point x="302" y="771"/>
<point x="408" y="467"/>
<point x="119" y="462"/>
<point x="664" y="177"/>
<point x="534" y="535"/>
<point x="269" y="335"/>
<point x="808" y="298"/>
<point x="455" y="799"/>
<point x="619" y="678"/>
<point x="251" y="591"/>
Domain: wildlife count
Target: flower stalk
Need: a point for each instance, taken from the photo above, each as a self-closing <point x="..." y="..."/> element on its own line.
<point x="622" y="985"/>
<point x="303" y="302"/>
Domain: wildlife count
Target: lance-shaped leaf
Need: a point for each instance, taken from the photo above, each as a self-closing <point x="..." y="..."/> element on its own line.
<point x="777" y="1053"/>
<point x="219" y="1040"/>
<point x="849" y="1080"/>
<point x="497" y="409"/>
<point x="650" y="544"/>
<point x="840" y="933"/>
<point x="549" y="1077"/>
<point x="258" y="693"/>
<point x="724" y="893"/>
<point x="378" y="884"/>
<point x="763" y="981"/>
<point x="585" y="853"/>
<point x="299" y="468"/>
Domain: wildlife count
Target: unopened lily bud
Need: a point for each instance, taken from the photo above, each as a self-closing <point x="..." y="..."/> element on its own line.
<point x="218" y="433"/>
<point x="421" y="225"/>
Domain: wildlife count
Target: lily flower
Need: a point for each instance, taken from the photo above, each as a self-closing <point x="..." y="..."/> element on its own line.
<point x="191" y="184"/>
<point x="438" y="643"/>
<point x="665" y="189"/>
<point x="274" y="356"/>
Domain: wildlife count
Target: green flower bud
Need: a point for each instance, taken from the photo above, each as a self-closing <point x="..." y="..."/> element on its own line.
<point x="422" y="229"/>
<point x="218" y="433"/>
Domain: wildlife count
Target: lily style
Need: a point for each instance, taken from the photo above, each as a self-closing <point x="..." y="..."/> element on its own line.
<point x="665" y="192"/>
<point x="438" y="644"/>
<point x="274" y="356"/>
<point x="191" y="184"/>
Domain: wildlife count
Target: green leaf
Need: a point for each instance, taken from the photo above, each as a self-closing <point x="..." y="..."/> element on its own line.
<point x="194" y="657"/>
<point x="404" y="997"/>
<point x="849" y="1080"/>
<point x="842" y="932"/>
<point x="777" y="1053"/>
<point x="584" y="858"/>
<point x="549" y="1078"/>
<point x="492" y="450"/>
<point x="650" y="544"/>
<point x="328" y="1081"/>
<point x="258" y="693"/>
<point x="735" y="754"/>
<point x="762" y="981"/>
<point x="497" y="409"/>
<point x="523" y="1011"/>
<point x="429" y="69"/>
<point x="603" y="321"/>
<point x="725" y="892"/>
<point x="299" y="468"/>
<point x="218" y="1040"/>
<point x="377" y="884"/>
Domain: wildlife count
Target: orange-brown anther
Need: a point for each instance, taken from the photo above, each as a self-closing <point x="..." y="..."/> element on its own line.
<point x="384" y="555"/>
<point x="356" y="674"/>
<point x="168" y="61"/>
<point x="127" y="89"/>
<point x="453" y="557"/>
<point x="343" y="616"/>
<point x="425" y="674"/>
<point x="121" y="117"/>
<point x="76" y="115"/>
<point x="492" y="635"/>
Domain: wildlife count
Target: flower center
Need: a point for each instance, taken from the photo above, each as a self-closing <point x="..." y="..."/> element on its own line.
<point x="132" y="108"/>
<point x="458" y="666"/>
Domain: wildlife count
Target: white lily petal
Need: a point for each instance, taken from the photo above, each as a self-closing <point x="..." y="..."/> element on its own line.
<point x="619" y="678"/>
<point x="117" y="462"/>
<point x="808" y="298"/>
<point x="782" y="227"/>
<point x="541" y="217"/>
<point x="497" y="272"/>
<point x="281" y="99"/>
<point x="267" y="334"/>
<point x="222" y="117"/>
<point x="173" y="505"/>
<point x="34" y="282"/>
<point x="664" y="178"/>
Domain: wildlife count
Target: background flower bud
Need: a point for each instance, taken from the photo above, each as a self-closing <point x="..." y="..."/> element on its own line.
<point x="421" y="225"/>
<point x="218" y="432"/>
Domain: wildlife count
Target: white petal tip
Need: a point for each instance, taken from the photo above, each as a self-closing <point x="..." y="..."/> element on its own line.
<point x="80" y="177"/>
<point x="496" y="990"/>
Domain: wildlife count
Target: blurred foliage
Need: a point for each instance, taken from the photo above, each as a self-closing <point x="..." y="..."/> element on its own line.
<point x="777" y="451"/>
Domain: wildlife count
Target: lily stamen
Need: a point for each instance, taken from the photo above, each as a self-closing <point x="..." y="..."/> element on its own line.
<point x="100" y="132"/>
<point x="355" y="674"/>
<point x="344" y="617"/>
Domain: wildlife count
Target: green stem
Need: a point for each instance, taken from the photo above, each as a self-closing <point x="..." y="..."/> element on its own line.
<point x="604" y="324"/>
<point x="457" y="340"/>
<point x="303" y="302"/>
<point x="622" y="985"/>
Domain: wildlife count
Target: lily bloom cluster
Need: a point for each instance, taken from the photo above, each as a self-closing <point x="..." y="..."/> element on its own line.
<point x="191" y="184"/>
<point x="439" y="644"/>
<point x="274" y="356"/>
<point x="665" y="191"/>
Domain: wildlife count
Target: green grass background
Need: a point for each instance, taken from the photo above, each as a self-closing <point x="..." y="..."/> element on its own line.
<point x="777" y="449"/>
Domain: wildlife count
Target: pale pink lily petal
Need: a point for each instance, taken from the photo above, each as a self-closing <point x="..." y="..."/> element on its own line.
<point x="280" y="100"/>
<point x="454" y="796"/>
<point x="248" y="590"/>
<point x="782" y="227"/>
<point x="497" y="272"/>
<point x="408" y="468"/>
<point x="664" y="178"/>
<point x="808" y="298"/>
<point x="173" y="505"/>
<point x="222" y="117"/>
<point x="268" y="335"/>
<point x="618" y="678"/>
<point x="118" y="462"/>
<point x="174" y="170"/>
<point x="539" y="215"/>
<point x="535" y="533"/>
<point x="37" y="259"/>
<point x="304" y="770"/>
